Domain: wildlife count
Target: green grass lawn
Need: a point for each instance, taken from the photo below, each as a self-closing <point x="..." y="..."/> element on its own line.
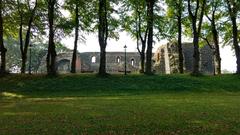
<point x="134" y="104"/>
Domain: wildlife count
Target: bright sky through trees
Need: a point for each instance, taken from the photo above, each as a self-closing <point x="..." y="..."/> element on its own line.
<point x="91" y="45"/>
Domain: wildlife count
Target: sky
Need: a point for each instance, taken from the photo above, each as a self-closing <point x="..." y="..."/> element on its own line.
<point x="91" y="45"/>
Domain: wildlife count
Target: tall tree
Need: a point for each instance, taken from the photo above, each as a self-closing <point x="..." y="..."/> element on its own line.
<point x="74" y="57"/>
<point x="143" y="38"/>
<point x="213" y="15"/>
<point x="175" y="11"/>
<point x="29" y="16"/>
<point x="51" y="56"/>
<point x="136" y="24"/>
<point x="150" y="23"/>
<point x="179" y="4"/>
<point x="103" y="34"/>
<point x="3" y="50"/>
<point x="81" y="17"/>
<point x="233" y="10"/>
<point x="196" y="9"/>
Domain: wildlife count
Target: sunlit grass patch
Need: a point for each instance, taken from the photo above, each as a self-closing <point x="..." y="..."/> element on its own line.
<point x="11" y="95"/>
<point x="18" y="113"/>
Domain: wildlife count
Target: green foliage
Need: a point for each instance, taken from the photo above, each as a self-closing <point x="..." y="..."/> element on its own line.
<point x="130" y="12"/>
<point x="176" y="9"/>
<point x="10" y="29"/>
<point x="86" y="15"/>
<point x="14" y="55"/>
<point x="39" y="51"/>
<point x="214" y="15"/>
<point x="122" y="16"/>
<point x="13" y="58"/>
<point x="226" y="25"/>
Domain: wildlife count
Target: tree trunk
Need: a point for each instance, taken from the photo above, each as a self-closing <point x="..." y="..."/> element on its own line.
<point x="150" y="6"/>
<point x="24" y="49"/>
<point x="196" y="55"/>
<point x="74" y="57"/>
<point x="180" y="53"/>
<point x="24" y="59"/>
<point x="235" y="42"/>
<point x="48" y="60"/>
<point x="142" y="63"/>
<point x="21" y="38"/>
<point x="196" y="32"/>
<point x="143" y="41"/>
<point x="51" y="57"/>
<point x="142" y="54"/>
<point x="102" y="68"/>
<point x="232" y="10"/>
<point x="27" y="40"/>
<point x="102" y="35"/>
<point x="217" y="57"/>
<point x="3" y="50"/>
<point x="23" y="67"/>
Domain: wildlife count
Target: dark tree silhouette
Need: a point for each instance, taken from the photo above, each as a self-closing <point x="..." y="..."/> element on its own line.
<point x="102" y="35"/>
<point x="215" y="37"/>
<point x="196" y="20"/>
<point x="233" y="11"/>
<point x="24" y="48"/>
<point x="150" y="7"/>
<point x="179" y="4"/>
<point x="74" y="57"/>
<point x="51" y="56"/>
<point x="3" y="50"/>
<point x="143" y="39"/>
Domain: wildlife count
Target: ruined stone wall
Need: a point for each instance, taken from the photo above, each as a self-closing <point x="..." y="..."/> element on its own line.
<point x="169" y="53"/>
<point x="63" y="63"/>
<point x="89" y="62"/>
<point x="114" y="61"/>
<point x="159" y="61"/>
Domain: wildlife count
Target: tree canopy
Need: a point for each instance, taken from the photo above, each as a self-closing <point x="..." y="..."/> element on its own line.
<point x="146" y="21"/>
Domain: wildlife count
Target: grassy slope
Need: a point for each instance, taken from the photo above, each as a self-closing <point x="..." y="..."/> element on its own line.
<point x="67" y="104"/>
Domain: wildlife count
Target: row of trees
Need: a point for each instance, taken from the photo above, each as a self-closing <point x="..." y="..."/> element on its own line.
<point x="204" y="21"/>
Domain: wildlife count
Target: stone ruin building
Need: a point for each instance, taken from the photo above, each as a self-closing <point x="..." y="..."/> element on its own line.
<point x="115" y="61"/>
<point x="166" y="59"/>
<point x="88" y="62"/>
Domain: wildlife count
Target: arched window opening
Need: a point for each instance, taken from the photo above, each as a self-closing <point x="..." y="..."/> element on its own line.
<point x="93" y="59"/>
<point x="132" y="62"/>
<point x="118" y="59"/>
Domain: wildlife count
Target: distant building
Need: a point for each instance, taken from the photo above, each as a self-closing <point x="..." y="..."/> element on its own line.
<point x="166" y="59"/>
<point x="114" y="61"/>
<point x="89" y="62"/>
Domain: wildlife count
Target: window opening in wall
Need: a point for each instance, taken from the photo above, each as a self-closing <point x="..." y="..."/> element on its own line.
<point x="132" y="62"/>
<point x="118" y="59"/>
<point x="93" y="59"/>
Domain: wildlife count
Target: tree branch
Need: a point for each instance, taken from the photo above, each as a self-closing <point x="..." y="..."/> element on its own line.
<point x="208" y="43"/>
<point x="201" y="16"/>
<point x="190" y="10"/>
